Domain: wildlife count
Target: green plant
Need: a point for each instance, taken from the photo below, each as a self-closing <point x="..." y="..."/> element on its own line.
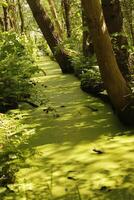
<point x="17" y="66"/>
<point x="82" y="64"/>
<point x="91" y="82"/>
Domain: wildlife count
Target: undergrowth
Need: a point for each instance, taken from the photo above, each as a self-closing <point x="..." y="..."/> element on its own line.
<point x="17" y="66"/>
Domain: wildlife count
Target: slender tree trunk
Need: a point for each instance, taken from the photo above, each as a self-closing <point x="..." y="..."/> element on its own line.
<point x="1" y="24"/>
<point x="87" y="45"/>
<point x="85" y="41"/>
<point x="5" y="13"/>
<point x="115" y="84"/>
<point x="53" y="41"/>
<point x="114" y="21"/>
<point x="21" y="17"/>
<point x="12" y="14"/>
<point x="11" y="22"/>
<point x="9" y="16"/>
<point x="66" y="8"/>
<point x="132" y="32"/>
<point x="55" y="16"/>
<point x="130" y="22"/>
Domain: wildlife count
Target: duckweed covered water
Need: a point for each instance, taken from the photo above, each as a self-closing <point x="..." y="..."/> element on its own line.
<point x="65" y="149"/>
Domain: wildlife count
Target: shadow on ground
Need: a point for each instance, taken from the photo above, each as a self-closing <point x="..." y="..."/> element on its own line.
<point x="67" y="135"/>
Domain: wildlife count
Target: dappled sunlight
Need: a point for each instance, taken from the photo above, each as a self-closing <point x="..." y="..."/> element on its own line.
<point x="77" y="164"/>
<point x="62" y="146"/>
<point x="103" y="23"/>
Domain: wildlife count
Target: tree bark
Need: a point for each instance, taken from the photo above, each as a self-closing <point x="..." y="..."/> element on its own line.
<point x="113" y="15"/>
<point x="12" y="14"/>
<point x="87" y="46"/>
<point x="66" y="8"/>
<point x="9" y="16"/>
<point x="116" y="86"/>
<point x="55" y="16"/>
<point x="5" y="13"/>
<point x="53" y="40"/>
<point x="21" y="17"/>
<point x="1" y="24"/>
<point x="114" y="21"/>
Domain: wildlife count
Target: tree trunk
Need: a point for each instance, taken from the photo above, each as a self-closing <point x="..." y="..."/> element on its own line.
<point x="115" y="84"/>
<point x="53" y="41"/>
<point x="1" y="24"/>
<point x="87" y="45"/>
<point x="21" y="17"/>
<point x="54" y="13"/>
<point x="12" y="14"/>
<point x="66" y="10"/>
<point x="113" y="15"/>
<point x="9" y="16"/>
<point x="114" y="21"/>
<point x="5" y="13"/>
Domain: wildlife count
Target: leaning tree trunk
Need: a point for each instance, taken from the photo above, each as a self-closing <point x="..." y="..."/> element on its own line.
<point x="66" y="11"/>
<point x="115" y="84"/>
<point x="114" y="21"/>
<point x="55" y="16"/>
<point x="53" y="41"/>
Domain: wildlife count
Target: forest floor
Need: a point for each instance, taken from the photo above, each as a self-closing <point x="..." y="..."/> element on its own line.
<point x="73" y="147"/>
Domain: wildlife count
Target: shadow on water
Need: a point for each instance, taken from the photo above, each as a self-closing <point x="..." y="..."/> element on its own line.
<point x="67" y="135"/>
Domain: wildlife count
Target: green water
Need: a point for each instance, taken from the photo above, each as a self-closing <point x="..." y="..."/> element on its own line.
<point x="58" y="148"/>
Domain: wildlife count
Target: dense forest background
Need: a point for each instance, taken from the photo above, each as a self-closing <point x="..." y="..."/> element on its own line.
<point x="92" y="40"/>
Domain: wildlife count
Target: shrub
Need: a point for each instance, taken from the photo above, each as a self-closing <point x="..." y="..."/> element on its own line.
<point x="17" y="66"/>
<point x="91" y="81"/>
<point x="82" y="64"/>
